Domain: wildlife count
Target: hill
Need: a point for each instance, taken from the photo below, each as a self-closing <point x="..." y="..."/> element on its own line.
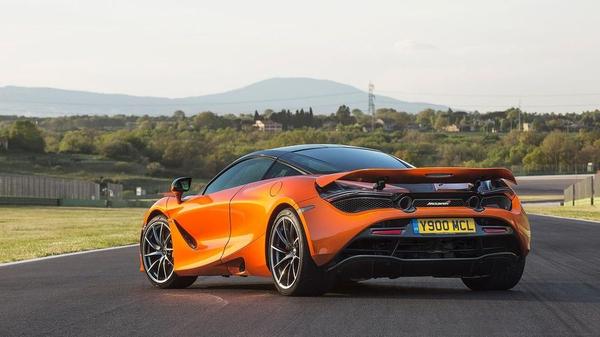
<point x="323" y="96"/>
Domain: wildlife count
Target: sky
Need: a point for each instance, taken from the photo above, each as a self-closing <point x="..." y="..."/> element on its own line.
<point x="477" y="55"/>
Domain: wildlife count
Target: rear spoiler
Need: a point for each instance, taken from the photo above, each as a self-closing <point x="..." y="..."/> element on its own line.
<point x="420" y="175"/>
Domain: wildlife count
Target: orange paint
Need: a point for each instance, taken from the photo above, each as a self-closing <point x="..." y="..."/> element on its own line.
<point x="232" y="225"/>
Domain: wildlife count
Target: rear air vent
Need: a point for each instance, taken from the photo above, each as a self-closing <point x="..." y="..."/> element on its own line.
<point x="355" y="205"/>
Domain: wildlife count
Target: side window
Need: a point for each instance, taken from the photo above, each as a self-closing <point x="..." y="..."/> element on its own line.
<point x="281" y="170"/>
<point x="243" y="173"/>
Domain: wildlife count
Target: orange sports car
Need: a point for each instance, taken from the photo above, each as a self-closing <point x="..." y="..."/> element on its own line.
<point x="312" y="215"/>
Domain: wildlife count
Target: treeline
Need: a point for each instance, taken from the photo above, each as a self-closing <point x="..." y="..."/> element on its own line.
<point x="204" y="143"/>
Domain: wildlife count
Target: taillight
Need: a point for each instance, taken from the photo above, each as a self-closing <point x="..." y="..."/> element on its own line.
<point x="494" y="230"/>
<point x="396" y="231"/>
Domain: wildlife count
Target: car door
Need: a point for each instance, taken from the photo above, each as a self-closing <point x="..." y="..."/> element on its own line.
<point x="249" y="211"/>
<point x="206" y="217"/>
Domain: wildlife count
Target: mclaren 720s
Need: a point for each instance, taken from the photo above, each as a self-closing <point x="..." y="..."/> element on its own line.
<point x="310" y="216"/>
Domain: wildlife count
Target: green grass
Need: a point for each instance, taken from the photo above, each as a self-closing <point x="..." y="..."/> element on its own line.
<point x="586" y="212"/>
<point x="29" y="232"/>
<point x="540" y="197"/>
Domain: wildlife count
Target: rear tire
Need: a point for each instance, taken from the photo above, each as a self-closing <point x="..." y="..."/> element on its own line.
<point x="293" y="269"/>
<point x="500" y="279"/>
<point x="156" y="249"/>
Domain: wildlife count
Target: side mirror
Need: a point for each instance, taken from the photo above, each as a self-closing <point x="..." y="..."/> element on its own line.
<point x="180" y="186"/>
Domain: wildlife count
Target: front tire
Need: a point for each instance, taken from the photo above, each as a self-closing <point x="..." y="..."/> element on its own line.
<point x="294" y="272"/>
<point x="500" y="279"/>
<point x="156" y="248"/>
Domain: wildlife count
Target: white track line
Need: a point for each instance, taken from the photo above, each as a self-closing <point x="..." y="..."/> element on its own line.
<point x="563" y="217"/>
<point x="134" y="245"/>
<point x="67" y="254"/>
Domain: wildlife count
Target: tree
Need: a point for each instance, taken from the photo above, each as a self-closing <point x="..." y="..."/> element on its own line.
<point x="24" y="135"/>
<point x="560" y="149"/>
<point x="118" y="149"/>
<point x="539" y="125"/>
<point x="208" y="120"/>
<point x="426" y="118"/>
<point x="441" y="122"/>
<point x="394" y="119"/>
<point x="121" y="145"/>
<point x="179" y="114"/>
<point x="534" y="161"/>
<point x="343" y="115"/>
<point x="77" y="141"/>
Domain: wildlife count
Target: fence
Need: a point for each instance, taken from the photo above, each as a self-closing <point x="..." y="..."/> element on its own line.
<point x="47" y="187"/>
<point x="15" y="201"/>
<point x="115" y="191"/>
<point x="583" y="192"/>
<point x="49" y="191"/>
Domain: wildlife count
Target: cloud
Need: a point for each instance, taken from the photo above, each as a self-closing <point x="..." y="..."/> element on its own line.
<point x="411" y="46"/>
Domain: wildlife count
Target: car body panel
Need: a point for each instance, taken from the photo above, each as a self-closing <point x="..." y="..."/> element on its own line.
<point x="231" y="225"/>
<point x="331" y="229"/>
<point x="226" y="232"/>
<point x="205" y="218"/>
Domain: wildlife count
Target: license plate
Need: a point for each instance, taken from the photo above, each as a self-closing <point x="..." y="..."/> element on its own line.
<point x="444" y="225"/>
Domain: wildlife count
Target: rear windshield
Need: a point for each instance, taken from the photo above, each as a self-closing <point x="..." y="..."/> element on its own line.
<point x="340" y="159"/>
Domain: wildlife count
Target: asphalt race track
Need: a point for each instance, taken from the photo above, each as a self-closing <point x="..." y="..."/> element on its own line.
<point x="103" y="293"/>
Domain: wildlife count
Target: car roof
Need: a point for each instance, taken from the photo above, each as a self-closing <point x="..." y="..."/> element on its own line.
<point x="279" y="151"/>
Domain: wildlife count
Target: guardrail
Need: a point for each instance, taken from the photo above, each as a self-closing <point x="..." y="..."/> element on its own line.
<point x="22" y="201"/>
<point x="583" y="192"/>
<point x="44" y="187"/>
<point x="30" y="186"/>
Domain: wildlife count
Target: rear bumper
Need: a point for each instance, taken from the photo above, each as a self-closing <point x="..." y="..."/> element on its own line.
<point x="373" y="266"/>
<point x="330" y="230"/>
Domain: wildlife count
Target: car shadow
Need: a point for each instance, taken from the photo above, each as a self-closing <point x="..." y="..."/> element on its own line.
<point x="526" y="292"/>
<point x="573" y="292"/>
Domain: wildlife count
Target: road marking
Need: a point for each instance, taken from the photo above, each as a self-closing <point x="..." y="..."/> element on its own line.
<point x="136" y="244"/>
<point x="67" y="254"/>
<point x="563" y="217"/>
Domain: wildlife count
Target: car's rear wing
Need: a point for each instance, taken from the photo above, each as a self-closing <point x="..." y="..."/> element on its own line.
<point x="420" y="175"/>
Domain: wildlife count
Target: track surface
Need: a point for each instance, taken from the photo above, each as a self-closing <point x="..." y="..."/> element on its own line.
<point x="103" y="294"/>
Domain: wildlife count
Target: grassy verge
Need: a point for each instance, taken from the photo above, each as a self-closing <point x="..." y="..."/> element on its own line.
<point x="541" y="197"/>
<point x="29" y="232"/>
<point x="587" y="212"/>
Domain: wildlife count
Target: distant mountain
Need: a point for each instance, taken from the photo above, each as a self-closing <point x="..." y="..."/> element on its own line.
<point x="277" y="93"/>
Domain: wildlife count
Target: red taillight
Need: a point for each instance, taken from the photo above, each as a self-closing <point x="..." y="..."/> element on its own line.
<point x="387" y="231"/>
<point x="495" y="230"/>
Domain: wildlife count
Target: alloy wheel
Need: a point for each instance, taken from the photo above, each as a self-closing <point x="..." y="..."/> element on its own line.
<point x="285" y="252"/>
<point x="157" y="252"/>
